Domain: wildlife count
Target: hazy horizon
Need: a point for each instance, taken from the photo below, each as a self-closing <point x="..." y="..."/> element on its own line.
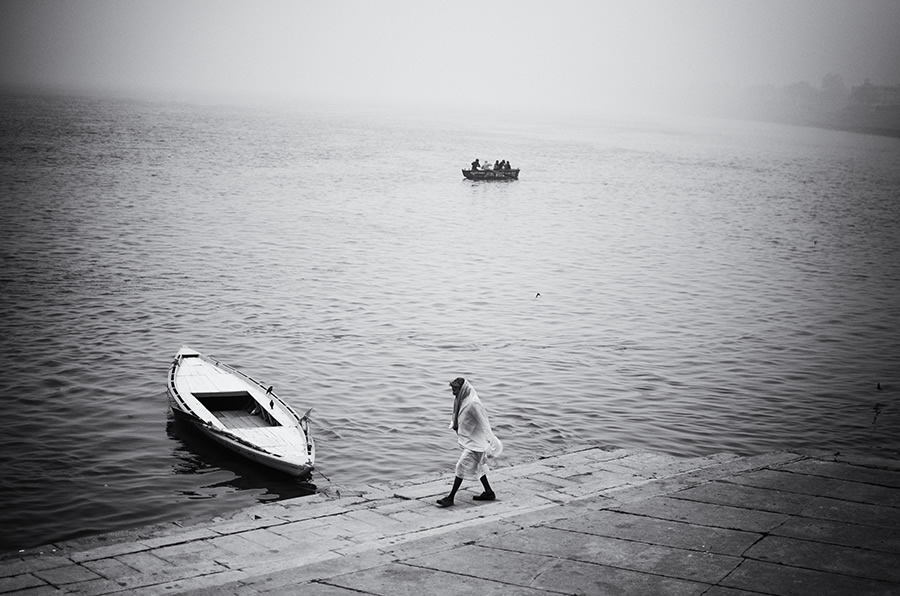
<point x="581" y="56"/>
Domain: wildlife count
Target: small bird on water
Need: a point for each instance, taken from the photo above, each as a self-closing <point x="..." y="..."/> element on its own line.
<point x="538" y="295"/>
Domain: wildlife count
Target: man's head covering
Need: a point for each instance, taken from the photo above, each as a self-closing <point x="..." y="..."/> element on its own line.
<point x="465" y="390"/>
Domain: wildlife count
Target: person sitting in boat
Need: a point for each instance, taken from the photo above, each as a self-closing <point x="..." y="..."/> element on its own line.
<point x="506" y="165"/>
<point x="475" y="164"/>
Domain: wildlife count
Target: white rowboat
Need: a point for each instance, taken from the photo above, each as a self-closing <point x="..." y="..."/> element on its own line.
<point x="240" y="413"/>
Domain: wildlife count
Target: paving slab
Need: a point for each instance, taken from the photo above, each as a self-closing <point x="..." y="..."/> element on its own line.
<point x="858" y="562"/>
<point x="885" y="475"/>
<point x="709" y="470"/>
<point x="70" y="574"/>
<point x="112" y="569"/>
<point x="864" y="514"/>
<point x="553" y="573"/>
<point x="13" y="566"/>
<point x="783" y="580"/>
<point x="706" y="514"/>
<point x="747" y="497"/>
<point x="592" y="521"/>
<point x="407" y="580"/>
<point x="145" y="562"/>
<point x="509" y="566"/>
<point x="318" y="589"/>
<point x="664" y="532"/>
<point x="613" y="552"/>
<point x="572" y="577"/>
<point x="841" y="533"/>
<point x="20" y="583"/>
<point x="821" y="486"/>
<point x="721" y="591"/>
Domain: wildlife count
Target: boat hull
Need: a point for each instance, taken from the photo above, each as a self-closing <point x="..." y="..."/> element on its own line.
<point x="491" y="175"/>
<point x="299" y="469"/>
<point x="239" y="414"/>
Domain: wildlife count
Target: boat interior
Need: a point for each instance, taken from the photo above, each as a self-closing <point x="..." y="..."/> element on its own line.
<point x="236" y="409"/>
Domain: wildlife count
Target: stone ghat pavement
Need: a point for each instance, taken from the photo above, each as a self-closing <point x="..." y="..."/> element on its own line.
<point x="594" y="521"/>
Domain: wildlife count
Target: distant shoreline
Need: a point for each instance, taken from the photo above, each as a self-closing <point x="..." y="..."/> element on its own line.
<point x="868" y="130"/>
<point x="884" y="122"/>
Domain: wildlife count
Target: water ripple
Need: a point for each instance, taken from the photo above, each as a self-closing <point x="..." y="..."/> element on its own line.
<point x="694" y="289"/>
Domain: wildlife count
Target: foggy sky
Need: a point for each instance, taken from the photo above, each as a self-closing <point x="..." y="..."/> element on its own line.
<point x="564" y="55"/>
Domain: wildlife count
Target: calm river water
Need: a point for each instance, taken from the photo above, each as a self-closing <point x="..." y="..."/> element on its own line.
<point x="689" y="287"/>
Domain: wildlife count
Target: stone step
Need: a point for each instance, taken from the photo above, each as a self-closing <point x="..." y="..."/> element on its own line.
<point x="365" y="523"/>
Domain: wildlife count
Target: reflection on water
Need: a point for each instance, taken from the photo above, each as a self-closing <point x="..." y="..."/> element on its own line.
<point x="196" y="454"/>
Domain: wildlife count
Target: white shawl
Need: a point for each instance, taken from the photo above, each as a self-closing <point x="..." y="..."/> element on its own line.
<point x="470" y="420"/>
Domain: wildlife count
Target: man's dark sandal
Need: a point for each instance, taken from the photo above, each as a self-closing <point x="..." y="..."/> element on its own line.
<point x="485" y="497"/>
<point x="445" y="502"/>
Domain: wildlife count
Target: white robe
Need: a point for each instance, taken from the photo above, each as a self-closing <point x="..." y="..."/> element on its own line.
<point x="480" y="445"/>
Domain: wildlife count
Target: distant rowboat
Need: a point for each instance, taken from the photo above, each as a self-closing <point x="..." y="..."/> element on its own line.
<point x="512" y="174"/>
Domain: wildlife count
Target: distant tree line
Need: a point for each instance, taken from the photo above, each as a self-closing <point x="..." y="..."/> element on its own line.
<point x="865" y="108"/>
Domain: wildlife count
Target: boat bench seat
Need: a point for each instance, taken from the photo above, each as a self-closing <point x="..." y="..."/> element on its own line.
<point x="239" y="419"/>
